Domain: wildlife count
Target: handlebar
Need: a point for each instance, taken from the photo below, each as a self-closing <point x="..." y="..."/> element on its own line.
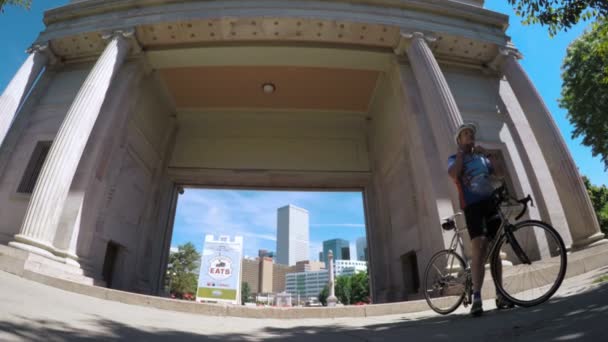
<point x="524" y="202"/>
<point x="501" y="194"/>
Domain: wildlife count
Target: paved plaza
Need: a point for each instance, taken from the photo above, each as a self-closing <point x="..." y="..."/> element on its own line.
<point x="30" y="311"/>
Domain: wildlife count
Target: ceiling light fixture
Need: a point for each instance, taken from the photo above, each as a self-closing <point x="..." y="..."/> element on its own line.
<point x="268" y="88"/>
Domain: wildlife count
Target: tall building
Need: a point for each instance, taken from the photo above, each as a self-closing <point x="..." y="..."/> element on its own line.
<point x="349" y="267"/>
<point x="306" y="284"/>
<point x="292" y="235"/>
<point x="264" y="276"/>
<point x="250" y="274"/>
<point x="265" y="253"/>
<point x="308" y="265"/>
<point x="278" y="276"/>
<point x="337" y="246"/>
<point x="362" y="249"/>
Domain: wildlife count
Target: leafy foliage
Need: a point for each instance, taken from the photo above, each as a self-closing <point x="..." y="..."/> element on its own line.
<point x="585" y="88"/>
<point x="323" y="295"/>
<point x="182" y="270"/>
<point x="245" y="292"/>
<point x="353" y="289"/>
<point x="23" y="3"/>
<point x="558" y="15"/>
<point x="599" y="198"/>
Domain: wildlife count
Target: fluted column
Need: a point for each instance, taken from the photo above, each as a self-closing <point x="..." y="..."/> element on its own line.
<point x="440" y="108"/>
<point x="44" y="210"/>
<point x="577" y="206"/>
<point x="437" y="98"/>
<point x="17" y="89"/>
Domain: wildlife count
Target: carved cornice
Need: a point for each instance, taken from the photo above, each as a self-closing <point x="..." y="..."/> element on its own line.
<point x="45" y="49"/>
<point x="407" y="38"/>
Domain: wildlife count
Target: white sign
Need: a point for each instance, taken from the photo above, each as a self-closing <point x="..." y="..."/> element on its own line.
<point x="220" y="274"/>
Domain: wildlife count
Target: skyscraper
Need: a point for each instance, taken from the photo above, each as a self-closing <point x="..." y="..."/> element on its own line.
<point x="292" y="235"/>
<point x="362" y="249"/>
<point x="336" y="246"/>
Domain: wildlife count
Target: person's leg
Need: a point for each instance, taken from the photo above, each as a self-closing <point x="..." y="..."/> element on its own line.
<point x="479" y="245"/>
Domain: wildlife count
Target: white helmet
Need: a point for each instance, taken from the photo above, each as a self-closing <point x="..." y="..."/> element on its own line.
<point x="462" y="127"/>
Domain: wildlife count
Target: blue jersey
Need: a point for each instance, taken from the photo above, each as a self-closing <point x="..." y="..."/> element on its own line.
<point x="474" y="183"/>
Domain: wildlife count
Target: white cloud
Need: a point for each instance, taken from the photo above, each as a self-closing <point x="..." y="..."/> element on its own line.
<point x="354" y="225"/>
<point x="253" y="215"/>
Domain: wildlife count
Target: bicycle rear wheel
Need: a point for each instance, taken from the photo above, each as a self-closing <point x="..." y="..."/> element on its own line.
<point x="444" y="282"/>
<point x="539" y="262"/>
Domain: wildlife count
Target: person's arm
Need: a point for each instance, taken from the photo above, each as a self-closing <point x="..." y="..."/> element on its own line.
<point x="455" y="169"/>
<point x="496" y="167"/>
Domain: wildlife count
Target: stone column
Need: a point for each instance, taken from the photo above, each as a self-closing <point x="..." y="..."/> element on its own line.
<point x="577" y="206"/>
<point x="17" y="89"/>
<point x="437" y="98"/>
<point x="45" y="207"/>
<point x="439" y="105"/>
<point x="331" y="299"/>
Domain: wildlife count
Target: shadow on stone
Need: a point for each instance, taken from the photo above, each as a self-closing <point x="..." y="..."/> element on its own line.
<point x="580" y="316"/>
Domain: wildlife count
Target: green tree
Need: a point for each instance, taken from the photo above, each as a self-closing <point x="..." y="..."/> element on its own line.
<point x="558" y="15"/>
<point x="599" y="198"/>
<point x="585" y="88"/>
<point x="344" y="290"/>
<point x="182" y="270"/>
<point x="352" y="289"/>
<point x="23" y="3"/>
<point x="360" y="288"/>
<point x="323" y="295"/>
<point x="245" y="292"/>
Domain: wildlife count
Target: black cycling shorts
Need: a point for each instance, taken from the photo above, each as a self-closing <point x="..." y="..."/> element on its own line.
<point x="482" y="219"/>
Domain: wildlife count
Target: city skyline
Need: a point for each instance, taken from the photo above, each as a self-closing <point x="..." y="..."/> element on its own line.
<point x="253" y="214"/>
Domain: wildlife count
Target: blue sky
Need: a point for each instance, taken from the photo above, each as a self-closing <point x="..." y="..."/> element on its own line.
<point x="331" y="214"/>
<point x="253" y="214"/>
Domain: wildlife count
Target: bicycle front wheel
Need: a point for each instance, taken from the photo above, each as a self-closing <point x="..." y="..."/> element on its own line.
<point x="445" y="282"/>
<point x="535" y="263"/>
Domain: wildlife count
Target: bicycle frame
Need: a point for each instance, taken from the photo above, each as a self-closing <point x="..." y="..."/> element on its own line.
<point x="503" y="230"/>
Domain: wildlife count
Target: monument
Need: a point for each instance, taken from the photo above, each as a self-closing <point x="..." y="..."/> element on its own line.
<point x="122" y="103"/>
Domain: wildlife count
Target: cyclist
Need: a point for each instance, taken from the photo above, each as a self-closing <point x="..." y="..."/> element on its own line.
<point x="470" y="168"/>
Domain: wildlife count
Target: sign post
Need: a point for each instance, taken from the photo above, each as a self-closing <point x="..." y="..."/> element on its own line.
<point x="220" y="274"/>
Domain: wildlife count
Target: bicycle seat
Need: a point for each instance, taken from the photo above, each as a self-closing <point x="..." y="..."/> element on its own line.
<point x="448" y="224"/>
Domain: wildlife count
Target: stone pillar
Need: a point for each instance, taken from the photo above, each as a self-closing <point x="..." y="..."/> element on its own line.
<point x="331" y="299"/>
<point x="577" y="206"/>
<point x="437" y="98"/>
<point x="45" y="207"/>
<point x="439" y="105"/>
<point x="17" y="89"/>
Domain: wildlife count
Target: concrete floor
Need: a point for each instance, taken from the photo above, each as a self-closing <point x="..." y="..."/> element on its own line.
<point x="30" y="311"/>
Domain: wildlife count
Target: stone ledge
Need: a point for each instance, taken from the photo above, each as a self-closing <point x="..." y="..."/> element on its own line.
<point x="13" y="260"/>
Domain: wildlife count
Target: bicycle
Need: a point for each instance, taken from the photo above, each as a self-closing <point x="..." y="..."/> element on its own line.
<point x="534" y="247"/>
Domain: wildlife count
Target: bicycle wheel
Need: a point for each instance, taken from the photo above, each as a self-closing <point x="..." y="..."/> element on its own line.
<point x="539" y="262"/>
<point x="444" y="282"/>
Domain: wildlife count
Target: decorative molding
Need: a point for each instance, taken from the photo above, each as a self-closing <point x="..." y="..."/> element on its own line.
<point x="407" y="37"/>
<point x="128" y="34"/>
<point x="504" y="52"/>
<point x="45" y="49"/>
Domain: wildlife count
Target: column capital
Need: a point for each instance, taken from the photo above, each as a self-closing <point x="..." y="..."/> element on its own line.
<point x="504" y="52"/>
<point x="406" y="39"/>
<point x="125" y="34"/>
<point x="45" y="50"/>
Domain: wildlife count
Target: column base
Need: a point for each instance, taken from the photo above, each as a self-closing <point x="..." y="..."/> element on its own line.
<point x="69" y="257"/>
<point x="590" y="241"/>
<point x="25" y="263"/>
<point x="331" y="301"/>
<point x="34" y="246"/>
<point x="43" y="249"/>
